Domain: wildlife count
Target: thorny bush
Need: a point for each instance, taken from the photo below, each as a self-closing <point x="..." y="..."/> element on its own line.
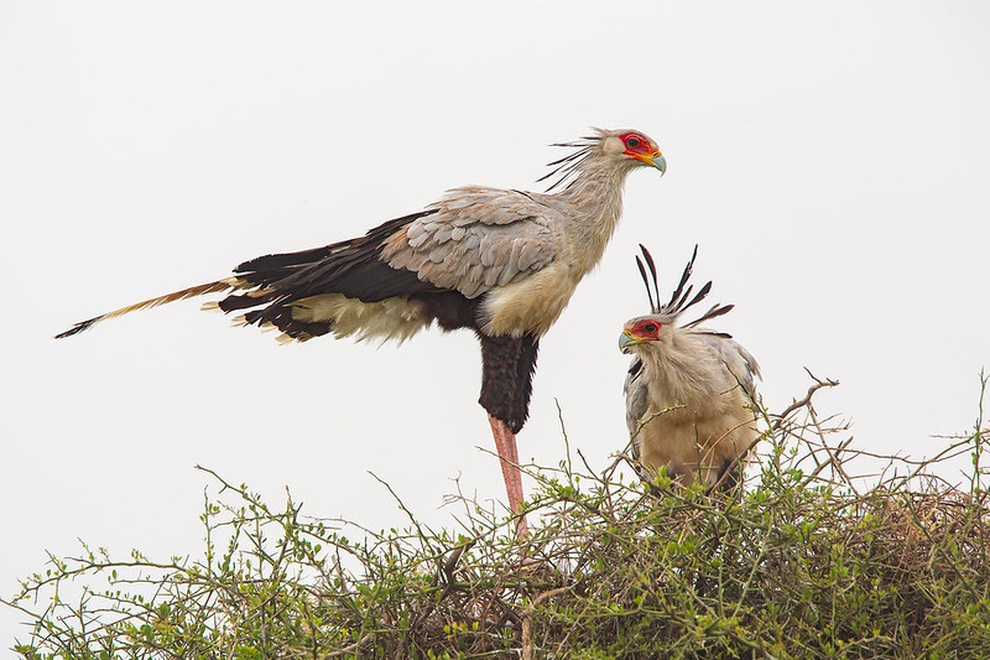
<point x="807" y="559"/>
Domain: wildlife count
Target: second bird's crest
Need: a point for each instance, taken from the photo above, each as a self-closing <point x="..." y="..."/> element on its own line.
<point x="681" y="299"/>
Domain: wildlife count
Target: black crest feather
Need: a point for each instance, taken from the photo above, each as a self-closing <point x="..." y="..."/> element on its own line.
<point x="654" y="299"/>
<point x="565" y="168"/>
<point x="681" y="299"/>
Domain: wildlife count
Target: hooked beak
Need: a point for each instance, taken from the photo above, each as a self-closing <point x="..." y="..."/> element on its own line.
<point x="656" y="160"/>
<point x="627" y="339"/>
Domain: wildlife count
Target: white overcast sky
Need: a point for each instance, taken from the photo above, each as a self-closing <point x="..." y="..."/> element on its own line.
<point x="830" y="159"/>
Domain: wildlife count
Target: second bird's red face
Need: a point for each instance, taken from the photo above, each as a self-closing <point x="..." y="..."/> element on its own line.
<point x="646" y="329"/>
<point x="641" y="331"/>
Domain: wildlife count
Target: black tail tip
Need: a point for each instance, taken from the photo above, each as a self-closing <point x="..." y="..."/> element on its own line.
<point x="74" y="330"/>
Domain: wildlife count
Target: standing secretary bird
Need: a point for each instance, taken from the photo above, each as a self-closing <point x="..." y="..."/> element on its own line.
<point x="503" y="263"/>
<point x="690" y="391"/>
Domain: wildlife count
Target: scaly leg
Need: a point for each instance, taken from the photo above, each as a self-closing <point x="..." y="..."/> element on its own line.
<point x="508" y="453"/>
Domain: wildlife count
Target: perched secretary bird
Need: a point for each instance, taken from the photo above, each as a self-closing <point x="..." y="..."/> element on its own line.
<point x="690" y="391"/>
<point x="503" y="263"/>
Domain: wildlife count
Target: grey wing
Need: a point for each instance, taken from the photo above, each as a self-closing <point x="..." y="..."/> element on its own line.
<point x="477" y="239"/>
<point x="637" y="400"/>
<point x="741" y="364"/>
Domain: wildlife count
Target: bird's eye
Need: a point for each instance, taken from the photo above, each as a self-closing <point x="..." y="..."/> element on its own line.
<point x="650" y="328"/>
<point x="632" y="142"/>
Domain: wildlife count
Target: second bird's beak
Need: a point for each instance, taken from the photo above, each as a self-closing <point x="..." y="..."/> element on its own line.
<point x="627" y="339"/>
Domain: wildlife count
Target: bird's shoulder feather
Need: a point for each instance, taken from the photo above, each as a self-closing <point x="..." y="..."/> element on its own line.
<point x="741" y="364"/>
<point x="477" y="239"/>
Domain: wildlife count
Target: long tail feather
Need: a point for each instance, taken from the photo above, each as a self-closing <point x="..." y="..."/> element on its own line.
<point x="213" y="287"/>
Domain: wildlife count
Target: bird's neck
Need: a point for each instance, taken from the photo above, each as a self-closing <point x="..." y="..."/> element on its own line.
<point x="680" y="371"/>
<point x="594" y="199"/>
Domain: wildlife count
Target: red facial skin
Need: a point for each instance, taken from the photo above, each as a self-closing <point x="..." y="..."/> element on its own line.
<point x="646" y="329"/>
<point x="638" y="144"/>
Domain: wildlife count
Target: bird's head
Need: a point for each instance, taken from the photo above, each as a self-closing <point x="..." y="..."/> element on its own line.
<point x="634" y="147"/>
<point x="622" y="149"/>
<point x="646" y="330"/>
<point x="642" y="330"/>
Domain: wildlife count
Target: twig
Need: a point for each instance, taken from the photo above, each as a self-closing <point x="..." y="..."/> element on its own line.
<point x="450" y="563"/>
<point x="347" y="649"/>
<point x="527" y="625"/>
<point x="828" y="382"/>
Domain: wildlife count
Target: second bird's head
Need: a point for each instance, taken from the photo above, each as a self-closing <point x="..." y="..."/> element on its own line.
<point x="643" y="330"/>
<point x="663" y="321"/>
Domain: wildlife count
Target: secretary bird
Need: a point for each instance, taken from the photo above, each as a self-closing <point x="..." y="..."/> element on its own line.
<point x="690" y="390"/>
<point x="503" y="263"/>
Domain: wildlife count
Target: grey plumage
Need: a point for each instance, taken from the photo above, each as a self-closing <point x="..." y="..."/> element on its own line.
<point x="690" y="390"/>
<point x="477" y="226"/>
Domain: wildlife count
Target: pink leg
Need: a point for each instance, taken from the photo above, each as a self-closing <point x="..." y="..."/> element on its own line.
<point x="508" y="453"/>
